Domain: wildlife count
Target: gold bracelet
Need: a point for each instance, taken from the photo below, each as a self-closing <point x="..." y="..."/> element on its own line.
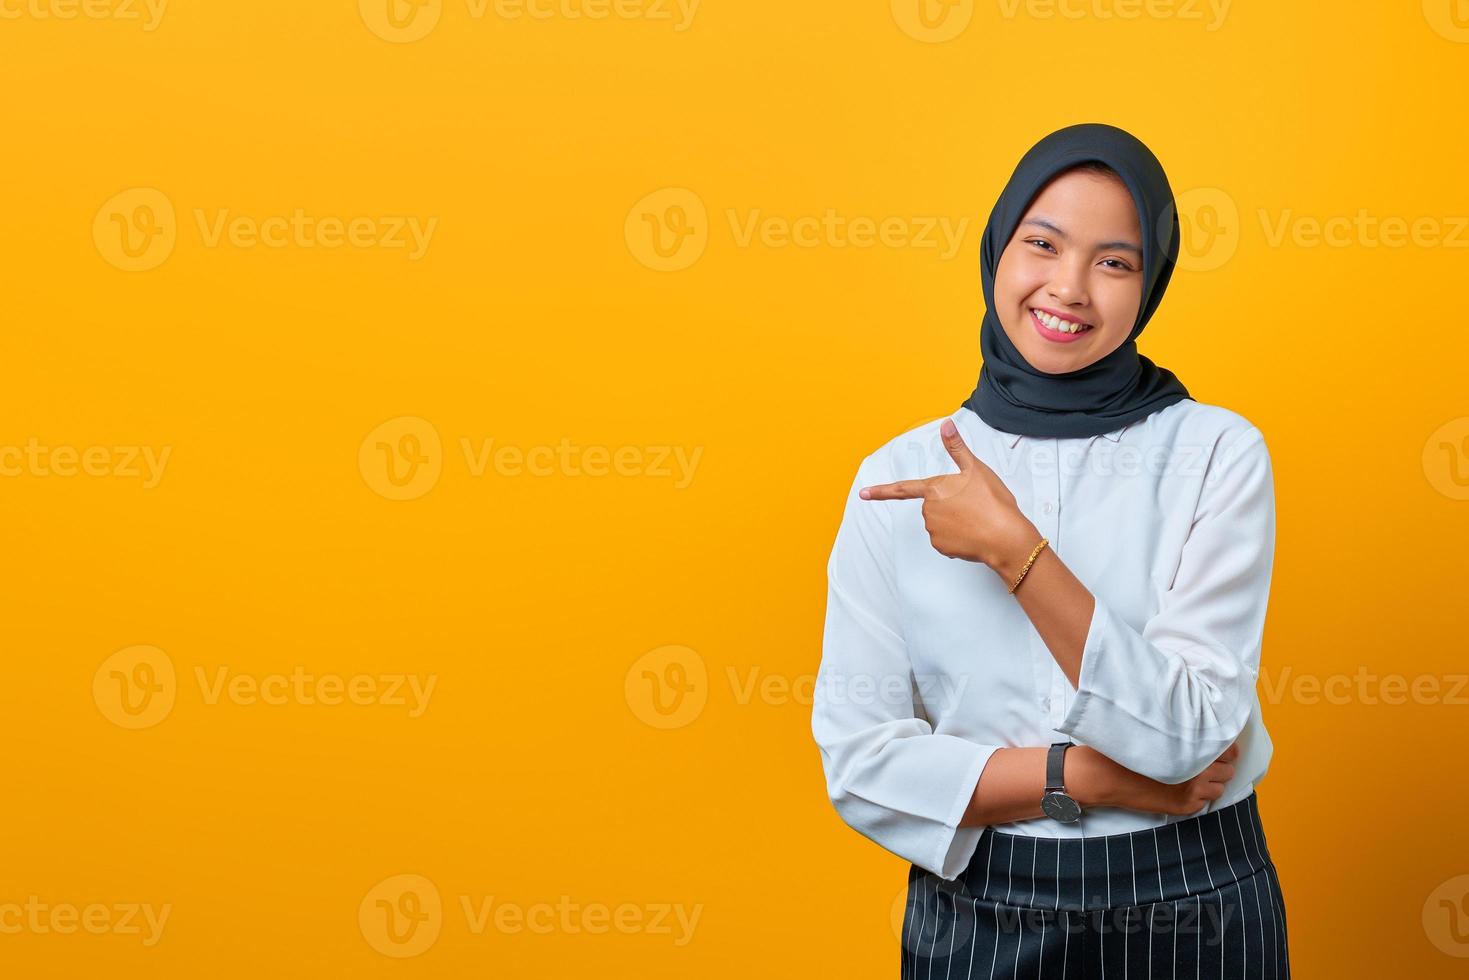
<point x="1028" y="562"/>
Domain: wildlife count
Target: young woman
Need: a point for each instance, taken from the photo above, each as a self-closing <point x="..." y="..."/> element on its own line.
<point x="1044" y="620"/>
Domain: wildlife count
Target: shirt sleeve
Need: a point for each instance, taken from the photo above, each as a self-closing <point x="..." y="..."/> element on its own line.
<point x="888" y="774"/>
<point x="1168" y="700"/>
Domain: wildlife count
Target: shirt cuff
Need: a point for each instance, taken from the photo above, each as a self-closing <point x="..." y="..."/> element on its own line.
<point x="956" y="844"/>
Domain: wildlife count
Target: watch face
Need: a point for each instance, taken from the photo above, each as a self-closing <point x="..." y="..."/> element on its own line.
<point x="1059" y="806"/>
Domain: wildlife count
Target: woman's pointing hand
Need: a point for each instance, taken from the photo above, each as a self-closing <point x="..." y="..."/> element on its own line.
<point x="970" y="514"/>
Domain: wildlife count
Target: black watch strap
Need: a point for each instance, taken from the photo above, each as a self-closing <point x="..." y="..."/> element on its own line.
<point x="1056" y="765"/>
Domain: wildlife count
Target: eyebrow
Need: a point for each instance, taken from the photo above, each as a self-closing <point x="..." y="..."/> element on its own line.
<point x="1101" y="246"/>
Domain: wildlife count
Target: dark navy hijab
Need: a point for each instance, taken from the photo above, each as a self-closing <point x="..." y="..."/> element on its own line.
<point x="1124" y="386"/>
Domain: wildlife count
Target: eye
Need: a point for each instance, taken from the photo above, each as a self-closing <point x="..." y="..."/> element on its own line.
<point x="1120" y="266"/>
<point x="1038" y="241"/>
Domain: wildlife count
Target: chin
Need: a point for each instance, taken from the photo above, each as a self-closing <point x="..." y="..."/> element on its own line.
<point x="1054" y="365"/>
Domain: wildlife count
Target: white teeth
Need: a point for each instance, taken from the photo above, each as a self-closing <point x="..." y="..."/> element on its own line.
<point x="1056" y="323"/>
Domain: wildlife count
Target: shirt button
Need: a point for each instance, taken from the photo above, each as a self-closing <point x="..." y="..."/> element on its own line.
<point x="1046" y="507"/>
<point x="1046" y="703"/>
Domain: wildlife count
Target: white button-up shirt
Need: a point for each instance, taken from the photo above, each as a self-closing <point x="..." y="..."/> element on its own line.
<point x="929" y="665"/>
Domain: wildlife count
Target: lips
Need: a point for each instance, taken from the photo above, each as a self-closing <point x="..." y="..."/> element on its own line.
<point x="1055" y="336"/>
<point x="1065" y="323"/>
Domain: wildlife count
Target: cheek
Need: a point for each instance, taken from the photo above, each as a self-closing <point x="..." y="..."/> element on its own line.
<point x="1119" y="302"/>
<point x="1016" y="279"/>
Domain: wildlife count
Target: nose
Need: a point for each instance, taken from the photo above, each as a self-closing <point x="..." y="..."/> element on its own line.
<point x="1068" y="285"/>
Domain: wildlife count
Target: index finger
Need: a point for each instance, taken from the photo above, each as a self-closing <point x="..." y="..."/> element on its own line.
<point x="902" y="490"/>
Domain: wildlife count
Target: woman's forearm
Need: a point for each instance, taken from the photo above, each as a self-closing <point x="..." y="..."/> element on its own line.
<point x="1014" y="779"/>
<point x="1060" y="607"/>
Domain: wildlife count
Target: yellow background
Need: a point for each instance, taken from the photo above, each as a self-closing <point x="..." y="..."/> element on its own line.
<point x="539" y="773"/>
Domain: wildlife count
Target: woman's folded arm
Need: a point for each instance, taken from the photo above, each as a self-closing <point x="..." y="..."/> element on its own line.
<point x="1168" y="699"/>
<point x="889" y="775"/>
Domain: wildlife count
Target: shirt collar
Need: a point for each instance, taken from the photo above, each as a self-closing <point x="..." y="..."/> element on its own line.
<point x="1011" y="438"/>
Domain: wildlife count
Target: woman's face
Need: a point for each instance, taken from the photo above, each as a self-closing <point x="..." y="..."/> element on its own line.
<point x="1076" y="255"/>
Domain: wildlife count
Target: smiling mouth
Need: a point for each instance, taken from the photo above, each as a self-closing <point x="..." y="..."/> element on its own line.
<point x="1058" y="325"/>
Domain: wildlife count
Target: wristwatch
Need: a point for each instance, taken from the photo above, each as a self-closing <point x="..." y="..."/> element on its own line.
<point x="1056" y="804"/>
